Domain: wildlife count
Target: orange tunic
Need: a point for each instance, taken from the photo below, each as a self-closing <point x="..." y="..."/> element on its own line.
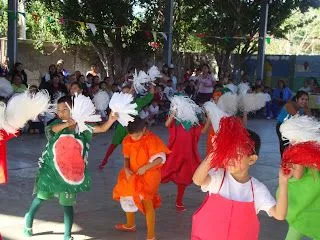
<point x="209" y="139"/>
<point x="139" y="154"/>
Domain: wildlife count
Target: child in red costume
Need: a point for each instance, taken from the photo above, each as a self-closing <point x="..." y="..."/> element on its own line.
<point x="234" y="199"/>
<point x="4" y="137"/>
<point x="184" y="157"/>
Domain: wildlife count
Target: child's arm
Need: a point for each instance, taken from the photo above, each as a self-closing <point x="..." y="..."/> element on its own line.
<point x="105" y="126"/>
<point x="127" y="168"/>
<point x="148" y="166"/>
<point x="169" y="120"/>
<point x="279" y="211"/>
<point x="201" y="176"/>
<point x="59" y="127"/>
<point x="206" y="126"/>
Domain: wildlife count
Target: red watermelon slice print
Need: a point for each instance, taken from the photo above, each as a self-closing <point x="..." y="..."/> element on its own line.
<point x="68" y="160"/>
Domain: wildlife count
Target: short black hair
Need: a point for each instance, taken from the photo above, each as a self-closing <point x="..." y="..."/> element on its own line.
<point x="65" y="99"/>
<point x="257" y="141"/>
<point x="76" y="83"/>
<point x="136" y="126"/>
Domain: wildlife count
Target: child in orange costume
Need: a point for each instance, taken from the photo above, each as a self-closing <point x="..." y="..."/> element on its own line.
<point x="139" y="180"/>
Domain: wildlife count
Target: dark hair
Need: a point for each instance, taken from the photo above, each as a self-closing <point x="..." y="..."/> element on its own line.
<point x="89" y="75"/>
<point x="136" y="126"/>
<point x="283" y="82"/>
<point x="103" y="82"/>
<point x="257" y="142"/>
<point x="65" y="99"/>
<point x="299" y="94"/>
<point x="34" y="86"/>
<point x="76" y="83"/>
<point x="14" y="75"/>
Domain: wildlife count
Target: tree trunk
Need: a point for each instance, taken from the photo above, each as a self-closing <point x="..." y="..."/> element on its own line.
<point x="223" y="61"/>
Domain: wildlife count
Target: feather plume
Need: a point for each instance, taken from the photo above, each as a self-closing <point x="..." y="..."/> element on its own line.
<point x="232" y="87"/>
<point x="139" y="81"/>
<point x="252" y="101"/>
<point x="243" y="88"/>
<point x="215" y="114"/>
<point x="83" y="111"/>
<point x="121" y="103"/>
<point x="154" y="73"/>
<point x="101" y="100"/>
<point x="228" y="102"/>
<point x="231" y="143"/>
<point x="6" y="89"/>
<point x="306" y="154"/>
<point x="24" y="107"/>
<point x="300" y="129"/>
<point x="185" y="109"/>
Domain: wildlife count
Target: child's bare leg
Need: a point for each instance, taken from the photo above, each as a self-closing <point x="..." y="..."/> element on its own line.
<point x="150" y="218"/>
<point x="131" y="219"/>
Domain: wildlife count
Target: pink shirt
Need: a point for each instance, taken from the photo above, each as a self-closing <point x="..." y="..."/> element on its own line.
<point x="206" y="84"/>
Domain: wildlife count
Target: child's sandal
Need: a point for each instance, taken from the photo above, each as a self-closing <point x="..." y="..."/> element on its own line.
<point x="124" y="228"/>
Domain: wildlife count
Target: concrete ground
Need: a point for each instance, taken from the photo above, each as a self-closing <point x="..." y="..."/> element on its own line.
<point x="96" y="213"/>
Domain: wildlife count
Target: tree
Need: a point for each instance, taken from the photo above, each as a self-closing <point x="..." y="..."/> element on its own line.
<point x="113" y="33"/>
<point x="3" y="19"/>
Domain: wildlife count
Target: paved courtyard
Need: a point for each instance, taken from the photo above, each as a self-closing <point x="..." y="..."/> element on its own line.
<point x="96" y="212"/>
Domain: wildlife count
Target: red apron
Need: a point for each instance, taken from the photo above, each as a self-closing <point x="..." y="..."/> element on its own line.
<point x="220" y="218"/>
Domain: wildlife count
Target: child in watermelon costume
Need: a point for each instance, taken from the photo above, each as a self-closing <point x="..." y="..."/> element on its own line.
<point x="121" y="131"/>
<point x="63" y="166"/>
<point x="138" y="182"/>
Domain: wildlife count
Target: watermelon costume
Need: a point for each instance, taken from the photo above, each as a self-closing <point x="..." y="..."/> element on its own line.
<point x="63" y="163"/>
<point x="304" y="204"/>
<point x="121" y="131"/>
<point x="62" y="173"/>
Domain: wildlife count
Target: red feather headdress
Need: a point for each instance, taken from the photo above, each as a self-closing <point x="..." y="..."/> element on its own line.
<point x="231" y="143"/>
<point x="306" y="154"/>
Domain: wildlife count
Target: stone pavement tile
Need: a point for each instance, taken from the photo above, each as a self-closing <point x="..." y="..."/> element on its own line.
<point x="96" y="213"/>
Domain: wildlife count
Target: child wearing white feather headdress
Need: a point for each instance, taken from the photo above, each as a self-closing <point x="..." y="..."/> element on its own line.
<point x="63" y="165"/>
<point x="184" y="125"/>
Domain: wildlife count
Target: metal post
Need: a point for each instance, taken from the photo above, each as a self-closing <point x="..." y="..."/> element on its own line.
<point x="12" y="32"/>
<point x="168" y="30"/>
<point x="262" y="38"/>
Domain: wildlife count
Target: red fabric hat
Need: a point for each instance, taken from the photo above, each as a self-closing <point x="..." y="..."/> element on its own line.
<point x="231" y="143"/>
<point x="306" y="154"/>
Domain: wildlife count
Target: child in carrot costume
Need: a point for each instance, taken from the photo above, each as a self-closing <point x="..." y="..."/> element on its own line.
<point x="139" y="180"/>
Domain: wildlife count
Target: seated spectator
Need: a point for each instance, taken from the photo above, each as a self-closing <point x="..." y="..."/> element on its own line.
<point x="89" y="80"/>
<point x="36" y="126"/>
<point x="19" y="70"/>
<point x="115" y="88"/>
<point x="60" y="68"/>
<point x="154" y="112"/>
<point x="95" y="80"/>
<point x="17" y="84"/>
<point x="48" y="75"/>
<point x="280" y="96"/>
<point x="75" y="88"/>
<point x="94" y="71"/>
<point x="180" y="89"/>
<point x="190" y="89"/>
<point x="187" y="75"/>
<point x="55" y="88"/>
<point x="95" y="89"/>
<point x="103" y="86"/>
<point x="4" y="69"/>
<point x="168" y="90"/>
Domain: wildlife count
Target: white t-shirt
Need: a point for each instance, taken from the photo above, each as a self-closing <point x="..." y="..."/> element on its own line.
<point x="144" y="114"/>
<point x="169" y="92"/>
<point x="232" y="189"/>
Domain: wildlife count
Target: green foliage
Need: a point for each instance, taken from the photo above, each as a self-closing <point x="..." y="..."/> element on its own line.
<point x="3" y="18"/>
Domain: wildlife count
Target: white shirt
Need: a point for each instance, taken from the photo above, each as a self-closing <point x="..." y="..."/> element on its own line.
<point x="154" y="109"/>
<point x="169" y="92"/>
<point x="144" y="114"/>
<point x="232" y="189"/>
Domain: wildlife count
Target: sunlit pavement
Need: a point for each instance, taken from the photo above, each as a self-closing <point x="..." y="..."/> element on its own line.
<point x="96" y="213"/>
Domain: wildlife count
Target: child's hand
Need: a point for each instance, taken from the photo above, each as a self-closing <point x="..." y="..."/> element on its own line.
<point x="71" y="122"/>
<point x="142" y="170"/>
<point x="113" y="116"/>
<point x="128" y="173"/>
<point x="283" y="178"/>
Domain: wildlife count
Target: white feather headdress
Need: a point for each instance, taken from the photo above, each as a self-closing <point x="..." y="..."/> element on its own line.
<point x="121" y="103"/>
<point x="243" y="88"/>
<point x="154" y="73"/>
<point x="101" y="100"/>
<point x="300" y="129"/>
<point x="6" y="89"/>
<point x="215" y="114"/>
<point x="252" y="101"/>
<point x="141" y="78"/>
<point x="82" y="111"/>
<point x="185" y="109"/>
<point x="22" y="108"/>
<point x="232" y="87"/>
<point x="228" y="103"/>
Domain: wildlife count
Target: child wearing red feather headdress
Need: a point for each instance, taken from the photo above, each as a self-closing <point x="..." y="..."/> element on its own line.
<point x="302" y="159"/>
<point x="234" y="197"/>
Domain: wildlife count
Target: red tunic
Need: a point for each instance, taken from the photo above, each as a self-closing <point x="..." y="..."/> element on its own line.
<point x="3" y="156"/>
<point x="184" y="158"/>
